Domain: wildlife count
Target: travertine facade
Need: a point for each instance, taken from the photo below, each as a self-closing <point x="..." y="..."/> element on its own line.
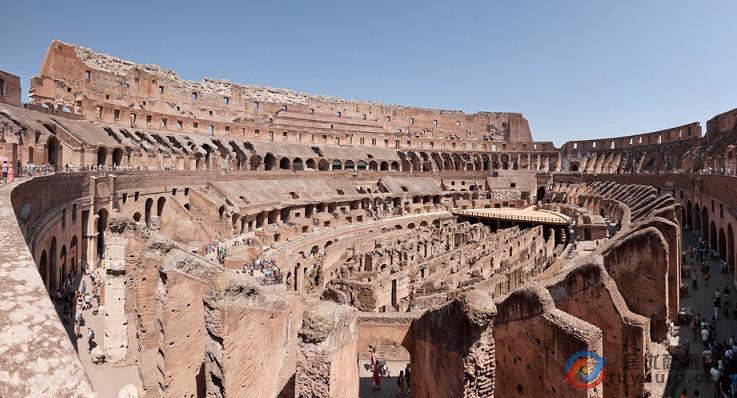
<point x="354" y="221"/>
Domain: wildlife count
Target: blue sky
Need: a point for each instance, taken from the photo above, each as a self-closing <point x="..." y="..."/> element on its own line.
<point x="575" y="69"/>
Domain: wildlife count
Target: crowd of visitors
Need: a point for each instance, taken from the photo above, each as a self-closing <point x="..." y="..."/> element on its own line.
<point x="379" y="369"/>
<point x="72" y="301"/>
<point x="265" y="270"/>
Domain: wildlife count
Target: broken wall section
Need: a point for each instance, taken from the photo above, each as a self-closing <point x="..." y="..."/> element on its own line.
<point x="326" y="361"/>
<point x="251" y="340"/>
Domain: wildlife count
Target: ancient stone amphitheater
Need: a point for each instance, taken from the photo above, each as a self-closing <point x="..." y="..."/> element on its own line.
<point x="254" y="242"/>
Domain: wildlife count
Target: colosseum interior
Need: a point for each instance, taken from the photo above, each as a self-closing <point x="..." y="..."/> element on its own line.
<point x="247" y="241"/>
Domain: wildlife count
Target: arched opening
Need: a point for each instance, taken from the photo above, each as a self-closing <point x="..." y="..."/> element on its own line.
<point x="137" y="216"/>
<point x="284" y="213"/>
<point x="284" y="164"/>
<point x="52" y="265"/>
<point x="349" y="165"/>
<point x="43" y="268"/>
<point x="160" y="206"/>
<point x="541" y="194"/>
<point x="101" y="225"/>
<point x="689" y="212"/>
<point x="62" y="264"/>
<point x="53" y="152"/>
<point x="310" y="164"/>
<point x="101" y="155"/>
<point x="713" y="236"/>
<point x="384" y="166"/>
<point x="323" y="165"/>
<point x="269" y="162"/>
<point x="74" y="251"/>
<point x="722" y="244"/>
<point x="298" y="165"/>
<point x="117" y="156"/>
<point x="361" y="165"/>
<point x="373" y="166"/>
<point x="395" y="166"/>
<point x="705" y="224"/>
<point x="730" y="248"/>
<point x="337" y="165"/>
<point x="147" y="211"/>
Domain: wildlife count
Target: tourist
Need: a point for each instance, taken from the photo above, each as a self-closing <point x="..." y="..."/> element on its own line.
<point x="705" y="337"/>
<point x="5" y="170"/>
<point x="706" y="361"/>
<point x="376" y="378"/>
<point x="11" y="173"/>
<point x="714" y="372"/>
<point x="716" y="308"/>
<point x="406" y="376"/>
<point x="693" y="280"/>
<point x="90" y="339"/>
<point x="400" y="385"/>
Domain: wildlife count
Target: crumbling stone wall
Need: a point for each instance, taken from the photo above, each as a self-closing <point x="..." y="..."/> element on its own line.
<point x="534" y="339"/>
<point x="326" y="360"/>
<point x="251" y="341"/>
<point x="457" y="342"/>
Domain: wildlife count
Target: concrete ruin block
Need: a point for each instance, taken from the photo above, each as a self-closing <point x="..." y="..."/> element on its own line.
<point x="588" y="293"/>
<point x="180" y="324"/>
<point x="251" y="340"/>
<point x="535" y="340"/>
<point x="326" y="360"/>
<point x="638" y="263"/>
<point x="455" y="341"/>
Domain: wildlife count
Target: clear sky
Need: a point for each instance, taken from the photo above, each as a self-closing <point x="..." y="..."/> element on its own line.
<point x="575" y="69"/>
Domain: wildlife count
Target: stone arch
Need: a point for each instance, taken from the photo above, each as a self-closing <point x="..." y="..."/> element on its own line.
<point x="384" y="166"/>
<point x="160" y="206"/>
<point x="43" y="268"/>
<point x="310" y="164"/>
<point x="689" y="213"/>
<point x="63" y="264"/>
<point x="101" y="155"/>
<point x="101" y="225"/>
<point x="373" y="166"/>
<point x="117" y="156"/>
<point x="713" y="236"/>
<point x="349" y="165"/>
<point x="361" y="165"/>
<point x="284" y="164"/>
<point x="255" y="162"/>
<point x="337" y="165"/>
<point x="730" y="247"/>
<point x="298" y="164"/>
<point x="323" y="165"/>
<point x="52" y="264"/>
<point x="147" y="211"/>
<point x="53" y="156"/>
<point x="722" y="244"/>
<point x="394" y="166"/>
<point x="705" y="223"/>
<point x="269" y="162"/>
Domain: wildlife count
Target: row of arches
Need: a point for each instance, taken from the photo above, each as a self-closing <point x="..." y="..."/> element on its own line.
<point x="54" y="263"/>
<point x="719" y="239"/>
<point x="271" y="163"/>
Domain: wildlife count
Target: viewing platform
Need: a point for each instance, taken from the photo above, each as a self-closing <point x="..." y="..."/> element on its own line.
<point x="526" y="215"/>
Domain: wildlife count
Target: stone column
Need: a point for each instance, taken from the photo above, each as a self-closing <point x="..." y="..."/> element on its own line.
<point x="116" y="320"/>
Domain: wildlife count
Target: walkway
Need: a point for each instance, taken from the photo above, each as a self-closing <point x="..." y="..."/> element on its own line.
<point x="701" y="300"/>
<point x="107" y="379"/>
